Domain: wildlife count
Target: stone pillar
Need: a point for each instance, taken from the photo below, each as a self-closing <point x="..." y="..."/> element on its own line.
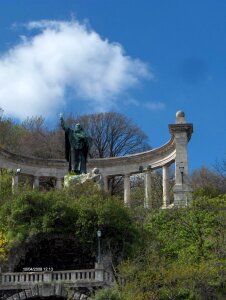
<point x="127" y="190"/>
<point x="148" y="189"/>
<point x="36" y="182"/>
<point x="182" y="132"/>
<point x="47" y="277"/>
<point x="165" y="185"/>
<point x="105" y="178"/>
<point x="58" y="183"/>
<point x="15" y="180"/>
<point x="99" y="272"/>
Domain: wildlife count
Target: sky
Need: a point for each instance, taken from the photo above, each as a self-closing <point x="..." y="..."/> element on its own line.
<point x="144" y="58"/>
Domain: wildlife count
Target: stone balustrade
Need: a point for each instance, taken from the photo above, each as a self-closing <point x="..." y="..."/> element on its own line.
<point x="97" y="276"/>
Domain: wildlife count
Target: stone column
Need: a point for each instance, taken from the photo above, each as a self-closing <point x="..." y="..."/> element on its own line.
<point x="148" y="189"/>
<point x="182" y="132"/>
<point x="165" y="185"/>
<point x="105" y="178"/>
<point x="127" y="190"/>
<point x="15" y="180"/>
<point x="36" y="182"/>
<point x="58" y="183"/>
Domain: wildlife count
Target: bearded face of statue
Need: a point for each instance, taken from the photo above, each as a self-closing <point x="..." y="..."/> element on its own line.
<point x="78" y="127"/>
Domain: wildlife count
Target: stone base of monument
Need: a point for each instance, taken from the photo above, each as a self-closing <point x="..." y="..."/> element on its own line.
<point x="94" y="176"/>
<point x="171" y="205"/>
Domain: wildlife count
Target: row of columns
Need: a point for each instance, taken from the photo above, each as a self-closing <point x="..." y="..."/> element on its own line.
<point x="149" y="201"/>
<point x="36" y="180"/>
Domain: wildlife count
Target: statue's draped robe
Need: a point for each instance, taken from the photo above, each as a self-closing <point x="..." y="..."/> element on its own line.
<point x="67" y="149"/>
<point x="77" y="143"/>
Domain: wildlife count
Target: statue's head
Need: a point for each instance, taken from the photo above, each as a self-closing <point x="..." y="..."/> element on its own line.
<point x="78" y="127"/>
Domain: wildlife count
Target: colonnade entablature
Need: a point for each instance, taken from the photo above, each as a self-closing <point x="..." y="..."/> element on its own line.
<point x="34" y="167"/>
<point x="175" y="151"/>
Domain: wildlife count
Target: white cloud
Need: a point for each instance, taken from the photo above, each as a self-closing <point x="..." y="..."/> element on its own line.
<point x="36" y="74"/>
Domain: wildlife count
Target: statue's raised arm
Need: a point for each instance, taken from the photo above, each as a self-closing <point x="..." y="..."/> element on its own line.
<point x="62" y="123"/>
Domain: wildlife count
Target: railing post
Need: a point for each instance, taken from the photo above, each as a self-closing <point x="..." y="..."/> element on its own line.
<point x="36" y="182"/>
<point x="73" y="276"/>
<point x="106" y="188"/>
<point x="15" y="180"/>
<point x="47" y="277"/>
<point x="58" y="183"/>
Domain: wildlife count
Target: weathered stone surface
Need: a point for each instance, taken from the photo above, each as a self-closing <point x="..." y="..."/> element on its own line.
<point x="94" y="176"/>
<point x="28" y="293"/>
<point x="45" y="290"/>
<point x="16" y="297"/>
<point x="58" y="289"/>
<point x="64" y="293"/>
<point x="35" y="291"/>
<point x="77" y="296"/>
<point x="22" y="295"/>
<point x="70" y="294"/>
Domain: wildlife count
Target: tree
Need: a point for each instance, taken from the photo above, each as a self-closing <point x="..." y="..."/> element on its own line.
<point x="183" y="255"/>
<point x="107" y="294"/>
<point x="76" y="214"/>
<point x="39" y="141"/>
<point x="3" y="247"/>
<point x="208" y="182"/>
<point x="113" y="134"/>
<point x="10" y="134"/>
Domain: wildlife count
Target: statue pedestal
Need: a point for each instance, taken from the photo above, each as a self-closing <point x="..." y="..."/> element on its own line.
<point x="94" y="176"/>
<point x="70" y="178"/>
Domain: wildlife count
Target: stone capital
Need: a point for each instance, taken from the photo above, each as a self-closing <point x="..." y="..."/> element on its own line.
<point x="174" y="129"/>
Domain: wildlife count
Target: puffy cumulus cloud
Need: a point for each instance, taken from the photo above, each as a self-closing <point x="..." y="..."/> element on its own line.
<point x="37" y="73"/>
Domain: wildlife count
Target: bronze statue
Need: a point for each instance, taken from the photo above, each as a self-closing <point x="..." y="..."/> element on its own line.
<point x="77" y="144"/>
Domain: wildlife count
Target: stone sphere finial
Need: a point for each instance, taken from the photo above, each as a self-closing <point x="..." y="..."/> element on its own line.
<point x="180" y="117"/>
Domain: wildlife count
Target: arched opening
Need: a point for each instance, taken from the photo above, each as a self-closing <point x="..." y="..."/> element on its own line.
<point x="48" y="298"/>
<point x="54" y="251"/>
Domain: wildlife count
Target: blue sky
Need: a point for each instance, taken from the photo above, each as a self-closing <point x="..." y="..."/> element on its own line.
<point x="144" y="58"/>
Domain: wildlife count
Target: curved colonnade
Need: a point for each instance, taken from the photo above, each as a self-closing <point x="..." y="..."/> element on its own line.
<point x="175" y="151"/>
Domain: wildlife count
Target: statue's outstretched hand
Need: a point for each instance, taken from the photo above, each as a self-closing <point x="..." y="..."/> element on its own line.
<point x="61" y="116"/>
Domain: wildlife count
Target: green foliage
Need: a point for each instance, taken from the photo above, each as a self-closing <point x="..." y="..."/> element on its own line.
<point x="107" y="294"/>
<point x="5" y="186"/>
<point x="164" y="254"/>
<point x="183" y="256"/>
<point x="78" y="211"/>
<point x="206" y="191"/>
<point x="3" y="247"/>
